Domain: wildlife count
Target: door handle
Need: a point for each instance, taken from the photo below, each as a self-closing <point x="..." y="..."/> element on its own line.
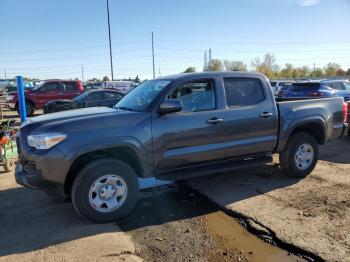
<point x="266" y="114"/>
<point x="215" y="120"/>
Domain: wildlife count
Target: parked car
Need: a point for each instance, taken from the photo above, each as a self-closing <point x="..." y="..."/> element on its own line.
<point x="88" y="99"/>
<point x="173" y="127"/>
<point x="94" y="85"/>
<point x="277" y="85"/>
<point x="122" y="86"/>
<point x="327" y="88"/>
<point x="42" y="94"/>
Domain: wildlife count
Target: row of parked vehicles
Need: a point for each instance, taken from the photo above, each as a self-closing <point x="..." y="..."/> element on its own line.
<point x="60" y="95"/>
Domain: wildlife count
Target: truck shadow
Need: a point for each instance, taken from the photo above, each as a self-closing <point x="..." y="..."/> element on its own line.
<point x="30" y="221"/>
<point x="337" y="151"/>
<point x="185" y="201"/>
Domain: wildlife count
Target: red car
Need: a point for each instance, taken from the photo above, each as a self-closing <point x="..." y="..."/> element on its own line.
<point x="48" y="91"/>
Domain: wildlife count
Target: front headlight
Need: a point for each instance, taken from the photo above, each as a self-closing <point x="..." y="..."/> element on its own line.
<point x="45" y="141"/>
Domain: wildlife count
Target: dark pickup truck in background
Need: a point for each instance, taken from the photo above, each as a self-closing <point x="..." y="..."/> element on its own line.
<point x="173" y="127"/>
<point x="50" y="90"/>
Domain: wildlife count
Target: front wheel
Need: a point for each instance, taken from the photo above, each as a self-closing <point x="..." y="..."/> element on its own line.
<point x="105" y="190"/>
<point x="300" y="156"/>
<point x="9" y="165"/>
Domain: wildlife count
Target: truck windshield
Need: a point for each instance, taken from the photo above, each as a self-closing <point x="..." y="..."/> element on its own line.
<point x="142" y="96"/>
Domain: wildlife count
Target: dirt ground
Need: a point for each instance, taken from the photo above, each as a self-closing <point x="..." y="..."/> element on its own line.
<point x="312" y="214"/>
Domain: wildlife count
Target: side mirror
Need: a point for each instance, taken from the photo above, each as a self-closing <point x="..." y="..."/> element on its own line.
<point x="170" y="106"/>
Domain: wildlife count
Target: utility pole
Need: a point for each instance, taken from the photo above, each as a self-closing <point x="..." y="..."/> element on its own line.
<point x="82" y="73"/>
<point x="154" y="73"/>
<point x="110" y="41"/>
<point x="314" y="66"/>
<point x="5" y="73"/>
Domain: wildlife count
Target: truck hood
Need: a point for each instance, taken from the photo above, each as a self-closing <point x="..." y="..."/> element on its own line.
<point x="93" y="120"/>
<point x="70" y="115"/>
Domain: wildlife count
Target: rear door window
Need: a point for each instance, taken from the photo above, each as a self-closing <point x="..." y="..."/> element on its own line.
<point x="70" y="86"/>
<point x="52" y="86"/>
<point x="243" y="91"/>
<point x="337" y="86"/>
<point x="112" y="95"/>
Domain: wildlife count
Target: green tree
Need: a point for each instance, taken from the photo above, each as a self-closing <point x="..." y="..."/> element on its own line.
<point x="317" y="72"/>
<point x="331" y="69"/>
<point x="268" y="66"/>
<point x="106" y="78"/>
<point x="235" y="65"/>
<point x="137" y="79"/>
<point x="348" y="72"/>
<point x="215" y="65"/>
<point x="287" y="71"/>
<point x="190" y="69"/>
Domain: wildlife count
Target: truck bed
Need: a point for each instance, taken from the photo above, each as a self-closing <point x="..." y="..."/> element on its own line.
<point x="328" y="111"/>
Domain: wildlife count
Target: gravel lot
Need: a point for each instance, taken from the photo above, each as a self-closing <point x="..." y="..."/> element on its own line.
<point x="312" y="214"/>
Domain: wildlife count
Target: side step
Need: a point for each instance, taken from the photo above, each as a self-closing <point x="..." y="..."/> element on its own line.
<point x="203" y="170"/>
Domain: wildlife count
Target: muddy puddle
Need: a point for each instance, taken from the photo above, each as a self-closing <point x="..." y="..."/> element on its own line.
<point x="173" y="223"/>
<point x="241" y="245"/>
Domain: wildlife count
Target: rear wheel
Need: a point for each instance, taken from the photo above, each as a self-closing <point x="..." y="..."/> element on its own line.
<point x="63" y="108"/>
<point x="300" y="155"/>
<point x="29" y="109"/>
<point x="105" y="190"/>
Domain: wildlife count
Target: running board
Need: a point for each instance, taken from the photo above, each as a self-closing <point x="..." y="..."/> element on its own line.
<point x="214" y="168"/>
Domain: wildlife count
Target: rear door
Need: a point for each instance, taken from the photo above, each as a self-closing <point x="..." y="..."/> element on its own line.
<point x="250" y="119"/>
<point x="94" y="99"/>
<point x="69" y="90"/>
<point x="110" y="98"/>
<point x="193" y="136"/>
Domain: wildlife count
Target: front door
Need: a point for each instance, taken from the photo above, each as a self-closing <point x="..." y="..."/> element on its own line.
<point x="48" y="92"/>
<point x="194" y="135"/>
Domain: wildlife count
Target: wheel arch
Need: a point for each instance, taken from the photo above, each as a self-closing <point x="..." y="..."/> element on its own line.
<point x="314" y="126"/>
<point x="122" y="153"/>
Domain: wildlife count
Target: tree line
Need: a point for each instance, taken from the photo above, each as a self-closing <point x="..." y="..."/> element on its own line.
<point x="268" y="66"/>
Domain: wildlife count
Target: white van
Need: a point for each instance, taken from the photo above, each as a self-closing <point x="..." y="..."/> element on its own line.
<point x="122" y="86"/>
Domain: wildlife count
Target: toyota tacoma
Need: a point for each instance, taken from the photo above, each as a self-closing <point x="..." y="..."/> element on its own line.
<point x="172" y="127"/>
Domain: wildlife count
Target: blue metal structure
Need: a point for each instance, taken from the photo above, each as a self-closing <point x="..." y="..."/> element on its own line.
<point x="21" y="98"/>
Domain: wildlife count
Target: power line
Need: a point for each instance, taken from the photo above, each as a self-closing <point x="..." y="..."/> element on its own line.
<point x="252" y="42"/>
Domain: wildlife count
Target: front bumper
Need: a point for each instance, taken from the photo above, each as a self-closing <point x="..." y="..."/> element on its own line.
<point x="40" y="169"/>
<point x="32" y="181"/>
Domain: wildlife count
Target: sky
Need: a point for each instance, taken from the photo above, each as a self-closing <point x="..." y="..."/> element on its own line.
<point x="57" y="38"/>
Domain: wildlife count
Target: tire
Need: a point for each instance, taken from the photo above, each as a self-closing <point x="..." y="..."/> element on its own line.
<point x="29" y="108"/>
<point x="91" y="179"/>
<point x="9" y="165"/>
<point x="300" y="156"/>
<point x="62" y="108"/>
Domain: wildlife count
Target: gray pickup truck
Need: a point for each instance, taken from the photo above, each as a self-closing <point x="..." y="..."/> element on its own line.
<point x="172" y="127"/>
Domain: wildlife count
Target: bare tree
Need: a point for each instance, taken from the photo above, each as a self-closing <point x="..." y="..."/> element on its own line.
<point x="231" y="65"/>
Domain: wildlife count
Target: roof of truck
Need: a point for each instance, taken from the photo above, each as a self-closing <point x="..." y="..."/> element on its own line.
<point x="210" y="74"/>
